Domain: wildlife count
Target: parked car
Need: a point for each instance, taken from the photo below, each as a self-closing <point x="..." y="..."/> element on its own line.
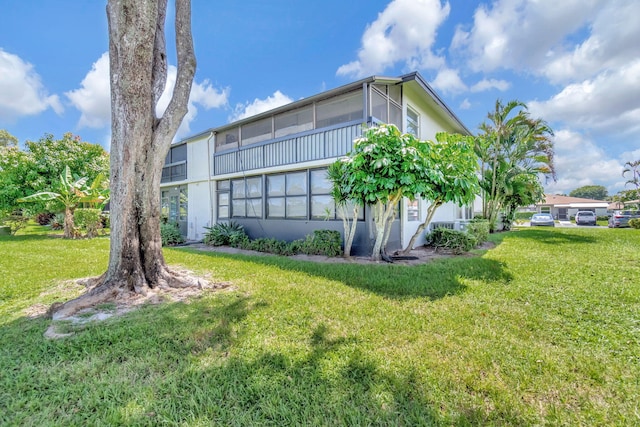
<point x="542" y="219"/>
<point x="621" y="218"/>
<point x="586" y="218"/>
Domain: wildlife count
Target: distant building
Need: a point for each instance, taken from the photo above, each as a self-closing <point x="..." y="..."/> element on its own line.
<point x="565" y="207"/>
<point x="268" y="172"/>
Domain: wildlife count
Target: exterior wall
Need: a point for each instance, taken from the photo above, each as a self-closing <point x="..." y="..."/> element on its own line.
<point x="430" y="124"/>
<point x="200" y="205"/>
<point x="305" y="150"/>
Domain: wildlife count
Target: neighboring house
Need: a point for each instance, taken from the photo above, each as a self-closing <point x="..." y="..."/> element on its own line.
<point x="565" y="207"/>
<point x="268" y="172"/>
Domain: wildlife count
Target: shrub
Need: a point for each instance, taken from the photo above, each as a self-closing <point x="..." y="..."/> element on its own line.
<point x="222" y="233"/>
<point x="272" y="246"/>
<point x="478" y="229"/>
<point x="44" y="218"/>
<point x="453" y="240"/>
<point x="15" y="221"/>
<point x="57" y="223"/>
<point x="634" y="223"/>
<point x="89" y="219"/>
<point x="170" y="234"/>
<point x="321" y="242"/>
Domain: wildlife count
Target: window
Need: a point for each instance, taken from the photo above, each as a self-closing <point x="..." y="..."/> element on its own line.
<point x="287" y="195"/>
<point x="545" y="209"/>
<point x="385" y="104"/>
<point x="223" y="199"/>
<point x="227" y="139"/>
<point x="413" y="210"/>
<point x="295" y="121"/>
<point x="464" y="212"/>
<point x="174" y="204"/>
<point x="256" y="131"/>
<point x="175" y="164"/>
<point x="379" y="106"/>
<point x="246" y="197"/>
<point x="340" y="109"/>
<point x="322" y="203"/>
<point x="413" y="122"/>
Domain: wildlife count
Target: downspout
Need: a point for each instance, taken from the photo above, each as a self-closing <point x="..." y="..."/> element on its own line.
<point x="209" y="172"/>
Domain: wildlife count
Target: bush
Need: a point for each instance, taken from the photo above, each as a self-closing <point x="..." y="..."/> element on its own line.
<point x="634" y="223"/>
<point x="454" y="240"/>
<point x="170" y="234"/>
<point x="222" y="234"/>
<point x="272" y="246"/>
<point x="88" y="219"/>
<point x="15" y="221"/>
<point x="57" y="223"/>
<point x="478" y="229"/>
<point x="44" y="218"/>
<point x="321" y="242"/>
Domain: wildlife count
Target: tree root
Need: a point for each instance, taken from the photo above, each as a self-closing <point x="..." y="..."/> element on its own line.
<point x="102" y="290"/>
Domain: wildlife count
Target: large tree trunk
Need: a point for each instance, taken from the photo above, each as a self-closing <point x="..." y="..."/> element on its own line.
<point x="139" y="144"/>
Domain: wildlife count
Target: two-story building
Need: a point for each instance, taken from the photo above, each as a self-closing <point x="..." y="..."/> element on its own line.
<point x="268" y="172"/>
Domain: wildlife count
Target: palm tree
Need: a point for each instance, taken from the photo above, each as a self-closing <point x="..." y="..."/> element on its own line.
<point x="634" y="168"/>
<point x="509" y="145"/>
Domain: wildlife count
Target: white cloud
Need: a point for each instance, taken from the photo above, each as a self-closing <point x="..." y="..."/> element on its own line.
<point x="609" y="102"/>
<point x="260" y="105"/>
<point x="465" y="104"/>
<point x="521" y="34"/>
<point x="93" y="98"/>
<point x="404" y="32"/>
<point x="21" y="90"/>
<point x="612" y="43"/>
<point x="488" y="84"/>
<point x="579" y="161"/>
<point x="449" y="81"/>
<point x="202" y="94"/>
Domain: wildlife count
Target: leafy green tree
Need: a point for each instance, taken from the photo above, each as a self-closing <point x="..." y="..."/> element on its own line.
<point x="347" y="201"/>
<point x="511" y="143"/>
<point x="383" y="167"/>
<point x="70" y="194"/>
<point x="448" y="174"/>
<point x="39" y="167"/>
<point x="595" y="192"/>
<point x="15" y="165"/>
<point x="7" y="140"/>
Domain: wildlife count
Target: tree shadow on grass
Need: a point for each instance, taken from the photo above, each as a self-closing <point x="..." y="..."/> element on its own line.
<point x="436" y="279"/>
<point x="200" y="363"/>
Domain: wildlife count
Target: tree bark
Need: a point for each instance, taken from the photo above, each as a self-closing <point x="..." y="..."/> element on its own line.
<point x="68" y="225"/>
<point x="139" y="144"/>
<point x="431" y="210"/>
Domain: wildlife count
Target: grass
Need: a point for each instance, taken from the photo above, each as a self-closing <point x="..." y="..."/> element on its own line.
<point x="544" y="329"/>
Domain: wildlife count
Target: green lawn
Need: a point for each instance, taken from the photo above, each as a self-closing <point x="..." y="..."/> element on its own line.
<point x="544" y="329"/>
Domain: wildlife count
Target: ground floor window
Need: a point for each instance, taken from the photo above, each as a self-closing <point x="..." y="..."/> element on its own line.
<point x="174" y="206"/>
<point x="302" y="195"/>
<point x="464" y="212"/>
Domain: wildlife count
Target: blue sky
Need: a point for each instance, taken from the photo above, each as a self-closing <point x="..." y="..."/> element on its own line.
<point x="576" y="63"/>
